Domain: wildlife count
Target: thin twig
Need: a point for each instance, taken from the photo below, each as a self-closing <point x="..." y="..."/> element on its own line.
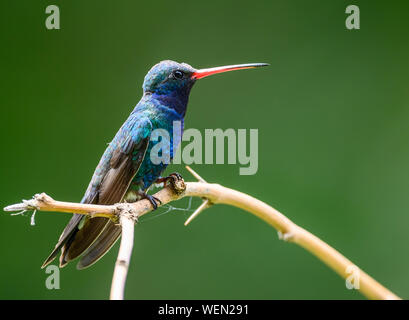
<point x="195" y="174"/>
<point x="124" y="258"/>
<point x="205" y="204"/>
<point x="219" y="194"/>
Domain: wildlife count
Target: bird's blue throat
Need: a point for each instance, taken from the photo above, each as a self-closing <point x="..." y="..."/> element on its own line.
<point x="174" y="100"/>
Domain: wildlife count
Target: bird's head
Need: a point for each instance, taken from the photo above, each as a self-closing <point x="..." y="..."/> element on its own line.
<point x="171" y="81"/>
<point x="169" y="77"/>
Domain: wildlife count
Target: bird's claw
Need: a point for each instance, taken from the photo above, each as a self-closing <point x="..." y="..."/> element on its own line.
<point x="153" y="200"/>
<point x="176" y="181"/>
<point x="176" y="175"/>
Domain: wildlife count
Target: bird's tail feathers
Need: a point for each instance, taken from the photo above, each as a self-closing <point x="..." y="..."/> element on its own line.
<point x="67" y="234"/>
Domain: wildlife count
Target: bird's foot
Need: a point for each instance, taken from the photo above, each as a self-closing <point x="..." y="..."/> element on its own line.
<point x="172" y="177"/>
<point x="152" y="199"/>
<point x="175" y="180"/>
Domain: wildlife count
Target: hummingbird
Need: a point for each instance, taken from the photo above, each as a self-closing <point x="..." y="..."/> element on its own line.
<point x="125" y="170"/>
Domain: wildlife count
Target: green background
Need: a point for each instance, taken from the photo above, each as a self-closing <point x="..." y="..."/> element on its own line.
<point x="332" y="112"/>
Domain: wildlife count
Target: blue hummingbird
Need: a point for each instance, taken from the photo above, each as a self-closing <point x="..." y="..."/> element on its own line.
<point x="126" y="170"/>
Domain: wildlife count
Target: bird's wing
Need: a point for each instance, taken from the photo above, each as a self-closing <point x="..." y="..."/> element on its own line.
<point x="70" y="229"/>
<point x="108" y="186"/>
<point x="101" y="245"/>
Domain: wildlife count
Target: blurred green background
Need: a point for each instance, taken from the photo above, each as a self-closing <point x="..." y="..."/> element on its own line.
<point x="332" y="112"/>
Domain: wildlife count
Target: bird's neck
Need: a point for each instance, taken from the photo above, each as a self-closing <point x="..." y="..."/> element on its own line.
<point x="175" y="100"/>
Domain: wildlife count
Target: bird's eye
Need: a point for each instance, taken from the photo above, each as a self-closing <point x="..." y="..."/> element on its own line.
<point x="178" y="74"/>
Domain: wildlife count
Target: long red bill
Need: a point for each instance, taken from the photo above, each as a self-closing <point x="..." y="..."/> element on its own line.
<point x="201" y="73"/>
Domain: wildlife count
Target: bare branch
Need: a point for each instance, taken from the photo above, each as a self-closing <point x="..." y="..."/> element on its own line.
<point x="214" y="193"/>
<point x="127" y="220"/>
